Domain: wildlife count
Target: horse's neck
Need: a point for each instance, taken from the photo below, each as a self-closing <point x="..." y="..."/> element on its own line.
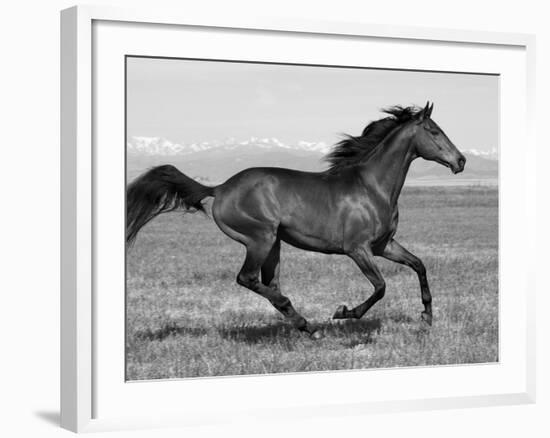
<point x="388" y="165"/>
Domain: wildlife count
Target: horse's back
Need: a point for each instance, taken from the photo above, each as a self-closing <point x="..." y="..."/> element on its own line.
<point x="279" y="174"/>
<point x="260" y="185"/>
<point x="275" y="184"/>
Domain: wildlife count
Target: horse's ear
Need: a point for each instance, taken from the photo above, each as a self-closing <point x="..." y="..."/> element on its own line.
<point x="429" y="111"/>
<point x="425" y="113"/>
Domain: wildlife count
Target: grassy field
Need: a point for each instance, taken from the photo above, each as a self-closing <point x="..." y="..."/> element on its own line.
<point x="186" y="316"/>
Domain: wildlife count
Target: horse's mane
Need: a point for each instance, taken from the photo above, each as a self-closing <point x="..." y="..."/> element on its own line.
<point x="351" y="150"/>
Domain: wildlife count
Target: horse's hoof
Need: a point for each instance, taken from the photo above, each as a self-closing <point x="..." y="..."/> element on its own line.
<point x="316" y="335"/>
<point x="341" y="312"/>
<point x="427" y="318"/>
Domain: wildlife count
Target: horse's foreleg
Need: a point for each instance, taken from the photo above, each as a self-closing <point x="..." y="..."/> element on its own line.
<point x="395" y="252"/>
<point x="265" y="257"/>
<point x="365" y="260"/>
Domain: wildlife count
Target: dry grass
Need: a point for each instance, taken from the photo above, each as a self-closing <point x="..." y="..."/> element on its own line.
<point x="187" y="317"/>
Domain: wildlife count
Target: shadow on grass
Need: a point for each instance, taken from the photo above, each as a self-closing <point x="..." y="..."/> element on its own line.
<point x="360" y="331"/>
<point x="170" y="329"/>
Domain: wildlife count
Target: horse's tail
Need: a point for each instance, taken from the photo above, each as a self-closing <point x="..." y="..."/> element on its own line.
<point x="160" y="190"/>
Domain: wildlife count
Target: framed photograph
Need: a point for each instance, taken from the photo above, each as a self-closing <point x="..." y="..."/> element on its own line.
<point x="265" y="216"/>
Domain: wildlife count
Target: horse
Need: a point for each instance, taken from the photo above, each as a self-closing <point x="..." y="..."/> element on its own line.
<point x="351" y="208"/>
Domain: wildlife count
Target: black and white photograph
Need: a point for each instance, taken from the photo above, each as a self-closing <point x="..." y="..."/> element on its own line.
<point x="294" y="218"/>
<point x="275" y="219"/>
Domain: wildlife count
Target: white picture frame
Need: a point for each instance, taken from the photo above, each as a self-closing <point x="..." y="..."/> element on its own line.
<point x="90" y="38"/>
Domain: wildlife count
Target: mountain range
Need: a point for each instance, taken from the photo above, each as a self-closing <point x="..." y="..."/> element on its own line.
<point x="215" y="161"/>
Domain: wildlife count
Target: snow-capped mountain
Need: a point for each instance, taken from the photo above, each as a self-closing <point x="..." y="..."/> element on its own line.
<point x="215" y="161"/>
<point x="491" y="154"/>
<point x="162" y="146"/>
<point x="165" y="147"/>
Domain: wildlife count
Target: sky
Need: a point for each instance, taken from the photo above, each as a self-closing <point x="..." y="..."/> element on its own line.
<point x="189" y="101"/>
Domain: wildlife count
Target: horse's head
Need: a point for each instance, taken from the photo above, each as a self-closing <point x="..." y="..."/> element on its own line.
<point x="431" y="143"/>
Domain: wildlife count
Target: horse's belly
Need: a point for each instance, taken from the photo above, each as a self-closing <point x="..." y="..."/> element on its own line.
<point x="309" y="241"/>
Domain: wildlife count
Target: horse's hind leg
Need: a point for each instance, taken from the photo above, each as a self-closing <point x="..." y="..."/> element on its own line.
<point x="365" y="260"/>
<point x="263" y="255"/>
<point x="271" y="266"/>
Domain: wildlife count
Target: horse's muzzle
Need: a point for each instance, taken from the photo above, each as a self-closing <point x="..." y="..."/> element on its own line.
<point x="458" y="166"/>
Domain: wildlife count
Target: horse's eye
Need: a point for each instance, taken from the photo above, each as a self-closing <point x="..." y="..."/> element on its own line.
<point x="436" y="133"/>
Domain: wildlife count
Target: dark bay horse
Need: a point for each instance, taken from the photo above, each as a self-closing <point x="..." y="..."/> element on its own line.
<point x="351" y="208"/>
